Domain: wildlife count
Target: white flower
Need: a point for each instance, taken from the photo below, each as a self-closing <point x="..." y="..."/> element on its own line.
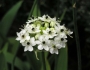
<point x="60" y="28"/>
<point x="22" y="36"/>
<point x="62" y="35"/>
<point x="43" y="43"/>
<point x="53" y="22"/>
<point x="43" y="33"/>
<point x="29" y="44"/>
<point x="45" y="18"/>
<point x="60" y="42"/>
<point x="61" y="31"/>
<point x="53" y="48"/>
<point x="32" y="20"/>
<point x="50" y="32"/>
<point x="68" y="32"/>
<point x="33" y="29"/>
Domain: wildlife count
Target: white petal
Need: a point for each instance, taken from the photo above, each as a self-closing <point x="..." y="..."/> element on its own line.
<point x="17" y="38"/>
<point x="52" y="50"/>
<point x="58" y="46"/>
<point x="26" y="48"/>
<point x="27" y="37"/>
<point x="46" y="48"/>
<point x="45" y="32"/>
<point x="23" y="44"/>
<point x="33" y="41"/>
<point x="40" y="47"/>
<point x="56" y="50"/>
<point x="30" y="48"/>
<point x="23" y="40"/>
<point x="41" y="38"/>
<point x="65" y="40"/>
<point x="63" y="44"/>
<point x="38" y="42"/>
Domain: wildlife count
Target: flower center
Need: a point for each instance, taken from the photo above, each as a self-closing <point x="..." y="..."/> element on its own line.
<point x="43" y="42"/>
<point x="33" y="29"/>
<point x="62" y="30"/>
<point x="49" y="32"/>
<point x="62" y="39"/>
<point x="23" y="36"/>
<point x="28" y="43"/>
<point x="46" y="17"/>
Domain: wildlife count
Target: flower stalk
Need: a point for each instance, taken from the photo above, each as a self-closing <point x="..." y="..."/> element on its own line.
<point x="76" y="34"/>
<point x="43" y="61"/>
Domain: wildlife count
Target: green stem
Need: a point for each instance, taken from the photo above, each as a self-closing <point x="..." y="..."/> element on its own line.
<point x="76" y="34"/>
<point x="55" y="68"/>
<point x="12" y="67"/>
<point x="43" y="61"/>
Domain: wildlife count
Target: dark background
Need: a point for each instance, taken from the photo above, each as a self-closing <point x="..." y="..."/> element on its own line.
<point x="52" y="7"/>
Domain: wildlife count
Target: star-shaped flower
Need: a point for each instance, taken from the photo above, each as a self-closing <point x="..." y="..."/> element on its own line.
<point x="33" y="29"/>
<point x="22" y="36"/>
<point x="45" y="18"/>
<point x="60" y="42"/>
<point x="53" y="48"/>
<point x="43" y="43"/>
<point x="50" y="32"/>
<point x="29" y="44"/>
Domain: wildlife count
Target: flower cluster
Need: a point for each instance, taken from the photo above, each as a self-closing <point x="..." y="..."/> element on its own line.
<point x="43" y="33"/>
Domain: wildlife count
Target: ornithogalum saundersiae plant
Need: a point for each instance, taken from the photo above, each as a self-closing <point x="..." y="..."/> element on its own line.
<point x="43" y="33"/>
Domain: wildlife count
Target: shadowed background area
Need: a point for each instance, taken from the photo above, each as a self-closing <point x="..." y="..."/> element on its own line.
<point x="52" y="8"/>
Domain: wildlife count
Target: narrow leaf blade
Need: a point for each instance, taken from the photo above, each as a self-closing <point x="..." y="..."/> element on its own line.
<point x="3" y="63"/>
<point x="8" y="19"/>
<point x="62" y="59"/>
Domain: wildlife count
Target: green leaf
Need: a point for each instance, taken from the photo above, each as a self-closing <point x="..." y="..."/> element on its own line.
<point x="5" y="48"/>
<point x="14" y="45"/>
<point x="35" y="11"/>
<point x="35" y="64"/>
<point x="3" y="63"/>
<point x="8" y="19"/>
<point x="18" y="63"/>
<point x="62" y="59"/>
<point x="51" y="59"/>
<point x="62" y="16"/>
<point x="47" y="63"/>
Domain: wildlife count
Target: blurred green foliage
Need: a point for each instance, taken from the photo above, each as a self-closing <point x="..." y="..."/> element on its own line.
<point x="11" y="51"/>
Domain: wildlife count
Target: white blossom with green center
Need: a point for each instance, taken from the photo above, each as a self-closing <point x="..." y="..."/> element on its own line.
<point x="43" y="33"/>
